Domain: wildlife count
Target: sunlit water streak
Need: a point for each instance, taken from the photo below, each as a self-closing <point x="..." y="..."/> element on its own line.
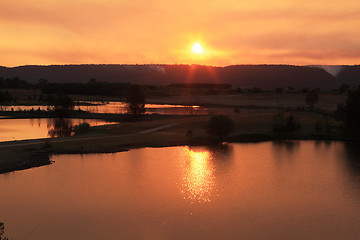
<point x="198" y="180"/>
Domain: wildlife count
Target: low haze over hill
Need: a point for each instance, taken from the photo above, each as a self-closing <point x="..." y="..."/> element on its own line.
<point x="263" y="76"/>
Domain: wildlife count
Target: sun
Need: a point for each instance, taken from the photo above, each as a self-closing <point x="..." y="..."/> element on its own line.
<point x="197" y="48"/>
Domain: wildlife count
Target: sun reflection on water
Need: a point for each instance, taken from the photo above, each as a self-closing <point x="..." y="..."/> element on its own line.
<point x="198" y="179"/>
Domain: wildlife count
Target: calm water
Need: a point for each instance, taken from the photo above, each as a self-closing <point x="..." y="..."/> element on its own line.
<point x="120" y="107"/>
<point x="20" y="129"/>
<point x="296" y="190"/>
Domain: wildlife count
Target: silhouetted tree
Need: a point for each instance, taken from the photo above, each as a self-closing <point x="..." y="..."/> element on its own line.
<point x="15" y="83"/>
<point x="92" y="87"/>
<point x="343" y="88"/>
<point x="285" y="124"/>
<point x="135" y="101"/>
<point x="61" y="103"/>
<point x="349" y="112"/>
<point x="82" y="127"/>
<point x="312" y="97"/>
<point x="220" y="126"/>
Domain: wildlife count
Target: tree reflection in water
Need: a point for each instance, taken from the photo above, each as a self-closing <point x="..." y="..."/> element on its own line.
<point x="349" y="157"/>
<point x="284" y="151"/>
<point x="59" y="127"/>
<point x="352" y="152"/>
<point x="2" y="231"/>
<point x="288" y="146"/>
<point x="352" y="156"/>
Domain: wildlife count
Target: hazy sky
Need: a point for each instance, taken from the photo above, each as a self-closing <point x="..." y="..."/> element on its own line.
<point x="163" y="31"/>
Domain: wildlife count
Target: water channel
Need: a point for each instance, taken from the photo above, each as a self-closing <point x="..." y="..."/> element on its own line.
<point x="119" y="108"/>
<point x="21" y="129"/>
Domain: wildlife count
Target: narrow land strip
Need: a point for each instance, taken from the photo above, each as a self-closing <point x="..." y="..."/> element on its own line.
<point x="76" y="138"/>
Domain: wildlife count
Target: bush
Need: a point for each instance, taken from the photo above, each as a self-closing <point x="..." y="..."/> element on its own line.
<point x="61" y="103"/>
<point x="349" y="112"/>
<point x="220" y="126"/>
<point x="136" y="101"/>
<point x="285" y="124"/>
<point x="312" y="98"/>
<point x="81" y="127"/>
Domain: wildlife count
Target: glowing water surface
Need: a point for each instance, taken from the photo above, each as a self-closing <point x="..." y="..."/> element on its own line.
<point x="119" y="107"/>
<point x="20" y="129"/>
<point x="293" y="190"/>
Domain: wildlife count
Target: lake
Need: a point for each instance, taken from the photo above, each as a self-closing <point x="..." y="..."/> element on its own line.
<point x="21" y="129"/>
<point x="119" y="108"/>
<point x="271" y="190"/>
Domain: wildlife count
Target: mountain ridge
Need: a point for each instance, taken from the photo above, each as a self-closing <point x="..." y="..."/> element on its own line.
<point x="246" y="76"/>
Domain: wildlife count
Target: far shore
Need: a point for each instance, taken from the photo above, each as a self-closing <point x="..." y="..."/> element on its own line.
<point x="80" y="115"/>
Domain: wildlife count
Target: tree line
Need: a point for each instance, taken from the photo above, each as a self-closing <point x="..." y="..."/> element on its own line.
<point x="92" y="87"/>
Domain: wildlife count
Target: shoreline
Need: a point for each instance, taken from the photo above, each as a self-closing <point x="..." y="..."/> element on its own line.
<point x="115" y="117"/>
<point x="41" y="150"/>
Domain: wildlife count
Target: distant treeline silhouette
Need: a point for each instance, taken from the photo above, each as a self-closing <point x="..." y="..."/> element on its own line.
<point x="89" y="88"/>
<point x="14" y="83"/>
<point x="201" y="85"/>
<point x="243" y="76"/>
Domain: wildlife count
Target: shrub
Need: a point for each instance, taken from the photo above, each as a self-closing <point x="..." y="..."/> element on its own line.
<point x="285" y="124"/>
<point x="81" y="127"/>
<point x="220" y="126"/>
<point x="312" y="98"/>
<point x="136" y="101"/>
<point x="61" y="103"/>
<point x="349" y="112"/>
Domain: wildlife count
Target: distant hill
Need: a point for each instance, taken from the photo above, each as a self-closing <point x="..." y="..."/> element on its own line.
<point x="349" y="75"/>
<point x="262" y="76"/>
<point x="273" y="76"/>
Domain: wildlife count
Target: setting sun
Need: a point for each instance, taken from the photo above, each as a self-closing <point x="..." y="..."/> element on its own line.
<point x="197" y="48"/>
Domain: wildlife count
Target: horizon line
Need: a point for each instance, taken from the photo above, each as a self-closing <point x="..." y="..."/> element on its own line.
<point x="176" y="64"/>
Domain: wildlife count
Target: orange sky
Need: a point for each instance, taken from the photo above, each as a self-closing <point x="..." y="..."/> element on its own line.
<point x="163" y="31"/>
